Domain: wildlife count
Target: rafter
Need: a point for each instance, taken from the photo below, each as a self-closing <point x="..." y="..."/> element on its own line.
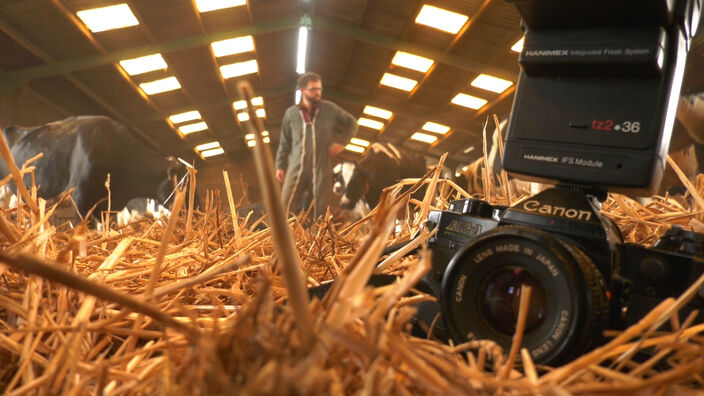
<point x="392" y="43"/>
<point x="17" y="77"/>
<point x="14" y="78"/>
<point x="471" y="22"/>
<point x="330" y="92"/>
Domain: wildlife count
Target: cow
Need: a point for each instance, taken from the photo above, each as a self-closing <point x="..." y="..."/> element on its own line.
<point x="80" y="152"/>
<point x="138" y="209"/>
<point x="360" y="184"/>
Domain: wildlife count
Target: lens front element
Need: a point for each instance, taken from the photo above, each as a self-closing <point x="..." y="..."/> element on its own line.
<point x="500" y="296"/>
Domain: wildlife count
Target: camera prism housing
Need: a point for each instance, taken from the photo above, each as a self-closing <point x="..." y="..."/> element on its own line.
<point x="573" y="258"/>
<point x="598" y="89"/>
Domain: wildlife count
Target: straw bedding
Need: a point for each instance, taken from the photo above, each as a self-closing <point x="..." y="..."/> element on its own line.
<point x="234" y="331"/>
<point x="201" y="304"/>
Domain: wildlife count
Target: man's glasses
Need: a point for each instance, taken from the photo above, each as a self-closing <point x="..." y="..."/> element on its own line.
<point x="313" y="89"/>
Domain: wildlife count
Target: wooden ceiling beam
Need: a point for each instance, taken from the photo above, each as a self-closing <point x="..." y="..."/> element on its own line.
<point x="17" y="77"/>
<point x="396" y="44"/>
<point x="329" y="92"/>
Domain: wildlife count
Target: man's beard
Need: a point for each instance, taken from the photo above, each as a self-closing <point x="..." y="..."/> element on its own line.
<point x="312" y="100"/>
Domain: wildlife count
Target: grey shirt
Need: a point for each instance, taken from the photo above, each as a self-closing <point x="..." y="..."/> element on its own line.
<point x="304" y="153"/>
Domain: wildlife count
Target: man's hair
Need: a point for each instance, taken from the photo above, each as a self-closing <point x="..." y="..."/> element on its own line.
<point x="305" y="78"/>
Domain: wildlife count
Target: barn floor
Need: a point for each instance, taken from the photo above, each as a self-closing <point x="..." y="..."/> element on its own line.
<point x="198" y="305"/>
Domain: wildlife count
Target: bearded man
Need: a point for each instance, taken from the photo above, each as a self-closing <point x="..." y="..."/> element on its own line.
<point x="312" y="133"/>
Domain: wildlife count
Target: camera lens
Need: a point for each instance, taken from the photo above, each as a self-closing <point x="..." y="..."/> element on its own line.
<point x="500" y="296"/>
<point x="481" y="292"/>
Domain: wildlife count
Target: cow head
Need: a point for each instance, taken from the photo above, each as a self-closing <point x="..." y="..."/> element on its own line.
<point x="349" y="181"/>
<point x="174" y="173"/>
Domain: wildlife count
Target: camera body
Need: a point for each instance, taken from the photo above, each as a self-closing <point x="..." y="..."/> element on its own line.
<point x="583" y="276"/>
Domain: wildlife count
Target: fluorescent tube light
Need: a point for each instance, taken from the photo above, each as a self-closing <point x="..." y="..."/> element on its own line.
<point x="302" y="49"/>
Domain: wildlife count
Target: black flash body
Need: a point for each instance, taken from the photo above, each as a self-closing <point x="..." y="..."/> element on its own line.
<point x="598" y="89"/>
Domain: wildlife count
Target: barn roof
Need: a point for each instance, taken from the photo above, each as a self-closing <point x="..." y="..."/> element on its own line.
<point x="51" y="55"/>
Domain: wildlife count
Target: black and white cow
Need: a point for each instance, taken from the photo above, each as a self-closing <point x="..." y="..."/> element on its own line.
<point x="79" y="153"/>
<point x="141" y="209"/>
<point x="362" y="183"/>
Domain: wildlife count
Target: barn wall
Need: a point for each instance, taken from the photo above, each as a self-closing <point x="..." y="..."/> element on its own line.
<point x="23" y="107"/>
<point x="241" y="173"/>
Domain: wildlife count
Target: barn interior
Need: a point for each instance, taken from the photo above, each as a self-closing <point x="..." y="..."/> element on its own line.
<point x="56" y="66"/>
<point x="428" y="76"/>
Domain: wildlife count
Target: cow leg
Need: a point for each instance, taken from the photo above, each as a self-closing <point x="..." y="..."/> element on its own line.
<point x="82" y="171"/>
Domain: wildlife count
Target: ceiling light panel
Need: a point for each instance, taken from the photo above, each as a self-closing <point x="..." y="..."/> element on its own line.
<point x="212" y="152"/>
<point x="355" y="149"/>
<point x="108" y="18"/>
<point x="207" y="146"/>
<point x="212" y="5"/>
<point x="436" y="128"/>
<point x="233" y="46"/>
<point x="424" y="137"/>
<point x="369" y="123"/>
<point x="359" y="142"/>
<point x="143" y="64"/>
<point x="183" y="117"/>
<point x="377" y="112"/>
<point x="470" y="101"/>
<point x="398" y="82"/>
<point x="243" y="116"/>
<point x="191" y="128"/>
<point x="491" y="83"/>
<point x="260" y="113"/>
<point x="252" y="142"/>
<point x="410" y="61"/>
<point x="159" y="86"/>
<point x="242" y="104"/>
<point x="250" y="136"/>
<point x="239" y="69"/>
<point x="441" y="19"/>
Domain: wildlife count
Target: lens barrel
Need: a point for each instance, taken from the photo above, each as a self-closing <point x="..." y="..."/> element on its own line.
<point x="482" y="284"/>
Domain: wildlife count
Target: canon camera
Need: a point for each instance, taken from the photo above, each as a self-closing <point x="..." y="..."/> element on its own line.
<point x="583" y="277"/>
